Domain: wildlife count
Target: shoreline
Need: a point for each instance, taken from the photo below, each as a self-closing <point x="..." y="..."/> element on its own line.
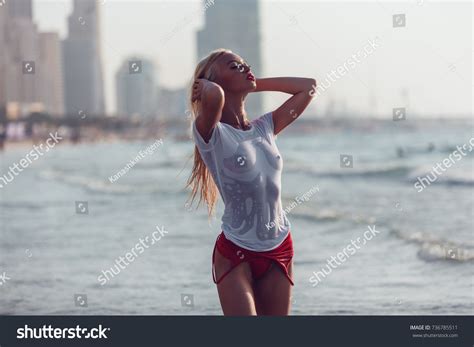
<point x="26" y="144"/>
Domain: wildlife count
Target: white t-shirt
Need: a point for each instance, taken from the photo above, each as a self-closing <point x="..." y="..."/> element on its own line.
<point x="246" y="166"/>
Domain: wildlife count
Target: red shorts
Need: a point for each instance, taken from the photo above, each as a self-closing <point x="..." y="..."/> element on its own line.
<point x="259" y="261"/>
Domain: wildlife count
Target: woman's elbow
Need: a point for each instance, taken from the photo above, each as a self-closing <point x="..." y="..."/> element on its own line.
<point x="312" y="86"/>
<point x="214" y="96"/>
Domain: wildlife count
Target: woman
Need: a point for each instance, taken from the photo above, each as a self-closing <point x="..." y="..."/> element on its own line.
<point x="252" y="258"/>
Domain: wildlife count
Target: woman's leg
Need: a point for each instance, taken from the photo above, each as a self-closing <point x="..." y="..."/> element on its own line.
<point x="235" y="290"/>
<point x="273" y="292"/>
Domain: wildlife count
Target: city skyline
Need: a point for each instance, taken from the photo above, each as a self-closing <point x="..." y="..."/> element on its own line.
<point x="30" y="64"/>
<point x="416" y="79"/>
<point x="83" y="60"/>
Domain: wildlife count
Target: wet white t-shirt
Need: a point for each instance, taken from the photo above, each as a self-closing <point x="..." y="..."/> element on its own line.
<point x="246" y="166"/>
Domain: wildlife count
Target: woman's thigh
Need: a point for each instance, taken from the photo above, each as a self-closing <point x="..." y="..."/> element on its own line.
<point x="273" y="292"/>
<point x="235" y="290"/>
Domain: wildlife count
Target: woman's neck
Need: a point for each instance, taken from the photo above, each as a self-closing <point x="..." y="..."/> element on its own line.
<point x="233" y="112"/>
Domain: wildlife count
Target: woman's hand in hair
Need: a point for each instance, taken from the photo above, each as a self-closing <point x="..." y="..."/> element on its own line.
<point x="203" y="86"/>
<point x="211" y="100"/>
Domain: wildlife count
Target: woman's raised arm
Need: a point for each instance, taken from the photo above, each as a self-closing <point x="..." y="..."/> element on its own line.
<point x="302" y="90"/>
<point x="210" y="98"/>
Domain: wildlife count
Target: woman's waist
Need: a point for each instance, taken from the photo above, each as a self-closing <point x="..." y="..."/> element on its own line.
<point x="251" y="242"/>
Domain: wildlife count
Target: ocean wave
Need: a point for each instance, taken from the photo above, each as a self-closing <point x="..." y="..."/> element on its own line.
<point x="322" y="216"/>
<point x="14" y="205"/>
<point x="329" y="215"/>
<point x="451" y="149"/>
<point x="90" y="183"/>
<point x="402" y="172"/>
<point x="165" y="164"/>
<point x="451" y="178"/>
<point x="433" y="248"/>
<point x="457" y="182"/>
<point x="372" y="172"/>
<point x="434" y="252"/>
<point x="424" y="150"/>
<point x="103" y="186"/>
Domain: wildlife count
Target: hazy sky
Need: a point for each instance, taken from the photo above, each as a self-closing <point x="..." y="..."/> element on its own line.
<point x="425" y="66"/>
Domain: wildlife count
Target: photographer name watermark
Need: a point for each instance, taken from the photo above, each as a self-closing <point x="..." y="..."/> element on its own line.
<point x="296" y="201"/>
<point x="141" y="154"/>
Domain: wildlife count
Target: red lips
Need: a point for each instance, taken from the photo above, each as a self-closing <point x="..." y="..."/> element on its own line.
<point x="250" y="76"/>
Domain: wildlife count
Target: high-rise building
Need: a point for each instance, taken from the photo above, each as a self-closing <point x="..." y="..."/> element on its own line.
<point x="172" y="103"/>
<point x="30" y="62"/>
<point x="242" y="35"/>
<point x="3" y="58"/>
<point x="83" y="81"/>
<point x="136" y="87"/>
<point x="20" y="9"/>
<point x="19" y="37"/>
<point x="50" y="73"/>
<point x="23" y="47"/>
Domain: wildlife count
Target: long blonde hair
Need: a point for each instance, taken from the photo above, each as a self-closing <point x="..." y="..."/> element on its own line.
<point x="201" y="180"/>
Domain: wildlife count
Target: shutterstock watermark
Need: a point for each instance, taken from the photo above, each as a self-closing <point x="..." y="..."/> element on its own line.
<point x="335" y="74"/>
<point x="34" y="154"/>
<point x="296" y="201"/>
<point x="141" y="154"/>
<point x="458" y="154"/>
<point x="48" y="332"/>
<point x="120" y="263"/>
<point x="343" y="255"/>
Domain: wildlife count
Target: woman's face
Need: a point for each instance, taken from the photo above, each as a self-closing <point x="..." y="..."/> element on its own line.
<point x="233" y="74"/>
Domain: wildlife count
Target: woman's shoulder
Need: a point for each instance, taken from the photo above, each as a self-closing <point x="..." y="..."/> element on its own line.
<point x="265" y="124"/>
<point x="200" y="141"/>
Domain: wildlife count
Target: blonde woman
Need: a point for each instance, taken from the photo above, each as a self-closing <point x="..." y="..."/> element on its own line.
<point x="238" y="159"/>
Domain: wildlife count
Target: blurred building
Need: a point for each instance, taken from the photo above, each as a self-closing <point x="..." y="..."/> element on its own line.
<point x="3" y="59"/>
<point x="172" y="104"/>
<point x="30" y="63"/>
<point x="235" y="25"/>
<point x="50" y="72"/>
<point x="83" y="81"/>
<point x="136" y="88"/>
<point x="21" y="8"/>
<point x="21" y="36"/>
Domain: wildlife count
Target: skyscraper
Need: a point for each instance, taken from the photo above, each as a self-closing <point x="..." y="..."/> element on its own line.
<point x="50" y="73"/>
<point x="136" y="87"/>
<point x="235" y="25"/>
<point x="20" y="45"/>
<point x="3" y="58"/>
<point x="21" y="9"/>
<point x="30" y="62"/>
<point x="83" y="81"/>
<point x="172" y="103"/>
<point x="22" y="40"/>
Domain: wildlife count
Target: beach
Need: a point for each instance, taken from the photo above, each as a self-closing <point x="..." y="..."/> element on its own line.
<point x="63" y="223"/>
